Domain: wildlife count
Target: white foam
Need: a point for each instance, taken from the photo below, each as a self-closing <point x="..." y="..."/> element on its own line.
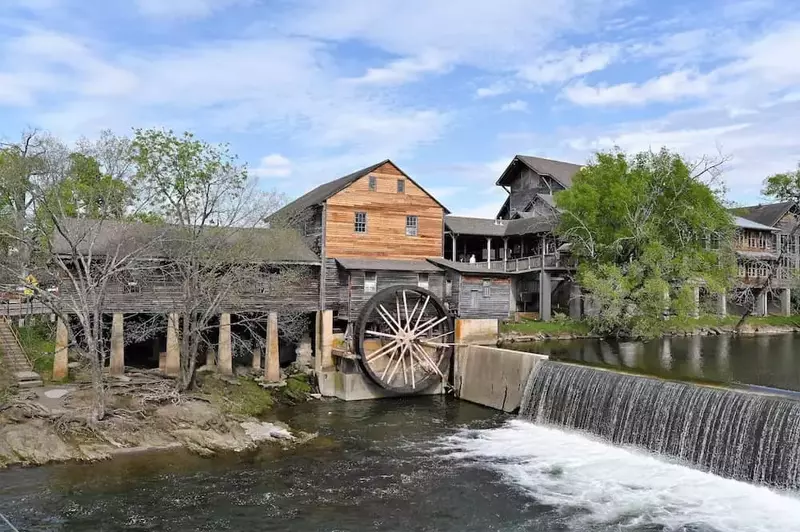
<point x="619" y="489"/>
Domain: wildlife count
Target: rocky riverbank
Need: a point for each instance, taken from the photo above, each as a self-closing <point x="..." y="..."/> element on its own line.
<point x="224" y="415"/>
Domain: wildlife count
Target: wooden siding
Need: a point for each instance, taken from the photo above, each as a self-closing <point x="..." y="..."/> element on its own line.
<point x="356" y="298"/>
<point x="496" y="306"/>
<point x="159" y="297"/>
<point x="386" y="219"/>
<point x="524" y="187"/>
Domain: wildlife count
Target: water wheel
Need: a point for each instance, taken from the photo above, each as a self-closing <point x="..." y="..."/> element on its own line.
<point x="404" y="338"/>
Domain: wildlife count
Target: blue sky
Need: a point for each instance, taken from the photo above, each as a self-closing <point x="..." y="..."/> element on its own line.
<point x="308" y="90"/>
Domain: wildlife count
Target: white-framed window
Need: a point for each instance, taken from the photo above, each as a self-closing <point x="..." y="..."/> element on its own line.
<point x="360" y="222"/>
<point x="448" y="288"/>
<point x="422" y="280"/>
<point x="412" y="225"/>
<point x="401" y="186"/>
<point x="370" y="282"/>
<point x="487" y="287"/>
<point x="373" y="183"/>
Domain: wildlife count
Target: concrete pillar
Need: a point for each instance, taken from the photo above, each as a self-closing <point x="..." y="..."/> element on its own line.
<point x="575" y="301"/>
<point x="545" y="306"/>
<point x="173" y="363"/>
<point x="760" y="308"/>
<point x="272" y="362"/>
<point x="256" y="356"/>
<point x="61" y="362"/>
<point x="786" y="301"/>
<point x="323" y="357"/>
<point x="722" y="304"/>
<point x="225" y="347"/>
<point x="304" y="352"/>
<point x="117" y="366"/>
<point x="696" y="302"/>
<point x="489" y="252"/>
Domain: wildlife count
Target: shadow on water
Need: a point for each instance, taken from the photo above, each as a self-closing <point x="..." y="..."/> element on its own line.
<point x="371" y="468"/>
<point x="769" y="362"/>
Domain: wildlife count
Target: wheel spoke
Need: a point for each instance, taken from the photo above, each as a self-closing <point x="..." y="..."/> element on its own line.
<point x="405" y="377"/>
<point x="397" y="364"/>
<point x="389" y="365"/>
<point x="405" y="307"/>
<point x="381" y="351"/>
<point x="413" y="313"/>
<point x="422" y="312"/>
<point x="387" y="317"/>
<point x="425" y="357"/>
<point x="429" y="327"/>
<point x="399" y="316"/>
<point x="448" y="333"/>
<point x="381" y="334"/>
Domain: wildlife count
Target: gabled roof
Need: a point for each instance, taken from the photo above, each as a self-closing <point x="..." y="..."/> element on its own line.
<point x="387" y="265"/>
<point x="320" y="194"/>
<point x="488" y="227"/>
<point x="561" y="171"/>
<point x="768" y="214"/>
<point x="462" y="225"/>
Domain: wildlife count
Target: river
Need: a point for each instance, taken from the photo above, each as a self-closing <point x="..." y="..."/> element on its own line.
<point x="426" y="464"/>
<point x="771" y="361"/>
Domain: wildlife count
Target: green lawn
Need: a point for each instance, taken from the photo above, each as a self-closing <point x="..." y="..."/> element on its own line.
<point x="38" y="342"/>
<point x="674" y="326"/>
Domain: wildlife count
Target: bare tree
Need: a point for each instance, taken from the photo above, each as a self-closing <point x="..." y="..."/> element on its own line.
<point x="219" y="255"/>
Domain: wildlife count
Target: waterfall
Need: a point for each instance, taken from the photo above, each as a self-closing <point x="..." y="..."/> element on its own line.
<point x="736" y="434"/>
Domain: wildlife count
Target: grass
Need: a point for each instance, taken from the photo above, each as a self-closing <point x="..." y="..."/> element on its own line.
<point x="247" y="398"/>
<point x="673" y="326"/>
<point x="7" y="383"/>
<point x="38" y="342"/>
<point x="562" y="326"/>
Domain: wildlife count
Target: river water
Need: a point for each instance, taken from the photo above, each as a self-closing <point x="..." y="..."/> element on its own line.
<point x="423" y="464"/>
<point x="767" y="361"/>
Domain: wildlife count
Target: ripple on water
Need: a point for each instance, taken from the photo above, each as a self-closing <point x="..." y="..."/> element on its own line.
<point x="599" y="487"/>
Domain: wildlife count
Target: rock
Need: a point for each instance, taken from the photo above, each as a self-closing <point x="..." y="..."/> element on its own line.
<point x="74" y="365"/>
<point x="35" y="443"/>
<point x="206" y="369"/>
<point x="121" y="378"/>
<point x="272" y="385"/>
<point x="315" y="395"/>
<point x="58" y="393"/>
<point x="261" y="432"/>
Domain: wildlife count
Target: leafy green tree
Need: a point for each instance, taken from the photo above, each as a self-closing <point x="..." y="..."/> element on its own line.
<point x="784" y="186"/>
<point x="644" y="227"/>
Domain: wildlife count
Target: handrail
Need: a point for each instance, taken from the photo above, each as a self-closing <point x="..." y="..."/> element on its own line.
<point x="19" y="342"/>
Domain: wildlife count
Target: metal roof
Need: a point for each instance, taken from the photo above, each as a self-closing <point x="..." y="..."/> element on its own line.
<point x="768" y="214"/>
<point x="387" y="265"/>
<point x="320" y="194"/>
<point x="745" y="223"/>
<point x="465" y="267"/>
<point x="561" y="171"/>
<point x="460" y="225"/>
<point x="112" y="237"/>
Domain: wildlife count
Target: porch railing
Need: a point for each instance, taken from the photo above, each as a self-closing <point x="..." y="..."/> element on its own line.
<point x="522" y="264"/>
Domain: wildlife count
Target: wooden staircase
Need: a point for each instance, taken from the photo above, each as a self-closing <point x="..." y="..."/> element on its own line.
<point x="15" y="359"/>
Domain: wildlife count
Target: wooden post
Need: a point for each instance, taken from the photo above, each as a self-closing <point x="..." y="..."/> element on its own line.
<point x="61" y="362"/>
<point x="326" y="339"/>
<point x="117" y="366"/>
<point x="225" y="347"/>
<point x="272" y="362"/>
<point x="489" y="252"/>
<point x="545" y="304"/>
<point x="453" y="238"/>
<point x="173" y="363"/>
<point x="786" y="301"/>
<point x="505" y="250"/>
<point x="256" y="356"/>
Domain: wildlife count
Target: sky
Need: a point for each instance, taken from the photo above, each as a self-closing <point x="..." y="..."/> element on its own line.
<point x="305" y="91"/>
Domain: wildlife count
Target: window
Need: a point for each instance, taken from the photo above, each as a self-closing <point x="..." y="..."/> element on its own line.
<point x="401" y="186"/>
<point x="487" y="288"/>
<point x="448" y="288"/>
<point x="412" y="223"/>
<point x="473" y="299"/>
<point x="373" y="183"/>
<point x="370" y="282"/>
<point x="422" y="280"/>
<point x="361" y="222"/>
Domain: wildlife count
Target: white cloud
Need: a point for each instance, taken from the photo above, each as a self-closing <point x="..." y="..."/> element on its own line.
<point x="184" y="9"/>
<point x="403" y="70"/>
<point x="666" y="88"/>
<point x="566" y="65"/>
<point x="495" y="89"/>
<point x="273" y="166"/>
<point x="516" y="105"/>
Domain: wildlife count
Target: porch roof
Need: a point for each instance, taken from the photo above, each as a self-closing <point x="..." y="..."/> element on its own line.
<point x="420" y="265"/>
<point x="461" y="225"/>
